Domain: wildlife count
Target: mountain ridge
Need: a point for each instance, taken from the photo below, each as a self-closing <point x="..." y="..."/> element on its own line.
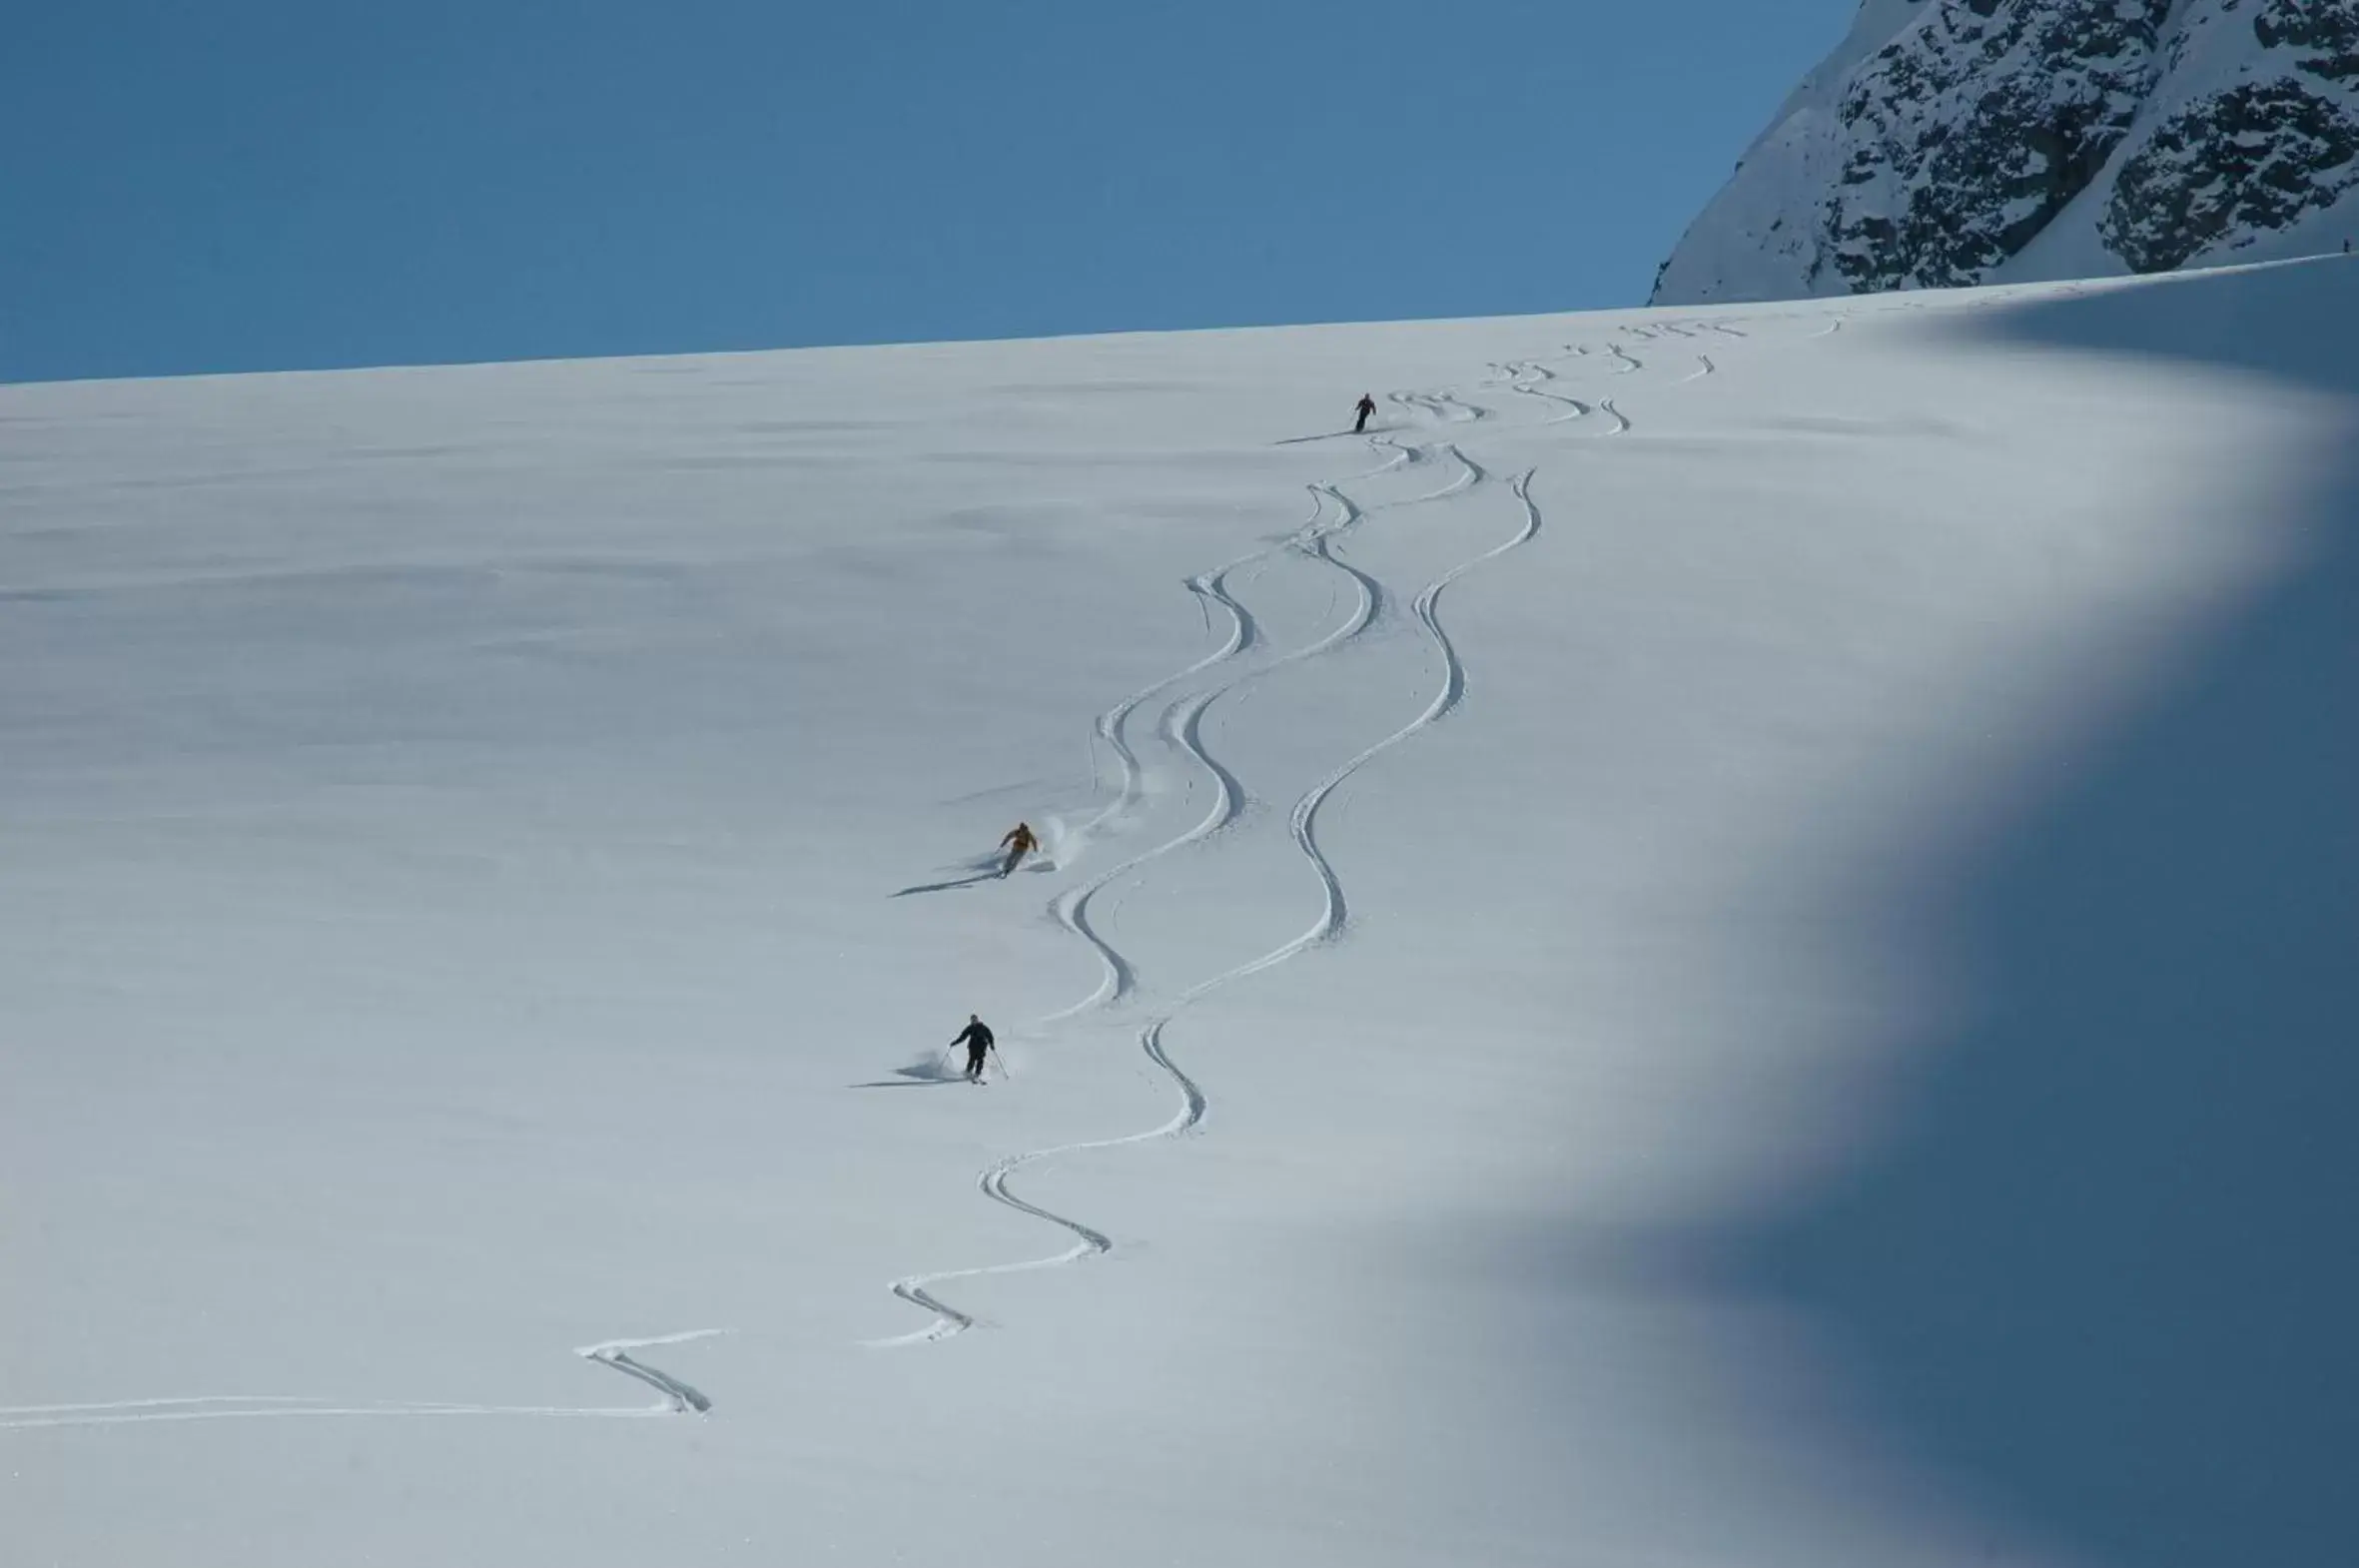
<point x="1948" y="143"/>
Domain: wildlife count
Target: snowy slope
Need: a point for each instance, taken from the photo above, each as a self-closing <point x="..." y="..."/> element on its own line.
<point x="1956" y="142"/>
<point x="1514" y="1057"/>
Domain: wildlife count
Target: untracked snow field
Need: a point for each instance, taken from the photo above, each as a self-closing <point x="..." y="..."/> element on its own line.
<point x="1727" y="940"/>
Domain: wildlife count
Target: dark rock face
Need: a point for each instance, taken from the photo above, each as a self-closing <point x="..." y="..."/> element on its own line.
<point x="2331" y="27"/>
<point x="1972" y="132"/>
<point x="2253" y="158"/>
<point x="1947" y="136"/>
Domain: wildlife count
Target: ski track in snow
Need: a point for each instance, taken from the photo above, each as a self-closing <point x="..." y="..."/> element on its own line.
<point x="1209" y="588"/>
<point x="1071" y="909"/>
<point x="678" y="1398"/>
<point x="1181" y="728"/>
<point x="1118" y="978"/>
<point x="1334" y="916"/>
<point x="1523" y="374"/>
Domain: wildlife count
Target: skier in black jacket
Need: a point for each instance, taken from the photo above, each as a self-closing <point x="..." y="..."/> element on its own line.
<point x="976" y="1036"/>
<point x="1365" y="407"/>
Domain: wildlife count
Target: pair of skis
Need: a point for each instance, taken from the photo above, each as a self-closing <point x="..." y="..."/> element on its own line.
<point x="981" y="1080"/>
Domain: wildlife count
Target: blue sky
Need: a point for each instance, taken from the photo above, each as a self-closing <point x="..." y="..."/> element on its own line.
<point x="259" y="185"/>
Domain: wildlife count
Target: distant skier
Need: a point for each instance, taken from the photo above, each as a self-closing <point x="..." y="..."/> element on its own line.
<point x="1367" y="407"/>
<point x="976" y="1036"/>
<point x="1019" y="843"/>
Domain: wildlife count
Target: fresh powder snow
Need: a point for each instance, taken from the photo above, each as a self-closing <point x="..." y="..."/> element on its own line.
<point x="1725" y="941"/>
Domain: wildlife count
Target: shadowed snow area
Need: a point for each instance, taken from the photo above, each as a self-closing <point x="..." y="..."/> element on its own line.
<point x="2098" y="1261"/>
<point x="1727" y="940"/>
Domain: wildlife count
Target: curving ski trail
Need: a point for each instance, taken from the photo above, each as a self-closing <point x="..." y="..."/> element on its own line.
<point x="1088" y="1241"/>
<point x="1574" y="407"/>
<point x="1209" y="588"/>
<point x="1440" y="405"/>
<point x="1071" y="909"/>
<point x="1182" y="726"/>
<point x="679" y="1398"/>
<point x="1334" y="913"/>
<point x="231" y="1410"/>
<point x="1118" y="978"/>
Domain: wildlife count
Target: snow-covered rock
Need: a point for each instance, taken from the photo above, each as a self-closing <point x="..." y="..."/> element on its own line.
<point x="1956" y="142"/>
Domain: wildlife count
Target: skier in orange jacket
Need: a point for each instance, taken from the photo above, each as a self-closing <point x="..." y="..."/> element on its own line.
<point x="1019" y="843"/>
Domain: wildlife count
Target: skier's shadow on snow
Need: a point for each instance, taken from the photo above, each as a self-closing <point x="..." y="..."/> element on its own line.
<point x="2102" y="1273"/>
<point x="977" y="875"/>
<point x="913" y="1078"/>
<point x="953" y="885"/>
<point x="1329" y="436"/>
<point x="928" y="1072"/>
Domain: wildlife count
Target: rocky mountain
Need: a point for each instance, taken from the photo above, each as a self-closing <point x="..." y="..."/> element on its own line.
<point x="1952" y="142"/>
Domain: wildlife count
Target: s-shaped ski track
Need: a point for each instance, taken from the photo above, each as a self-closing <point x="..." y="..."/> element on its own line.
<point x="1334" y="913"/>
<point x="679" y="1398"/>
<point x="1315" y="540"/>
<point x="1183" y="726"/>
